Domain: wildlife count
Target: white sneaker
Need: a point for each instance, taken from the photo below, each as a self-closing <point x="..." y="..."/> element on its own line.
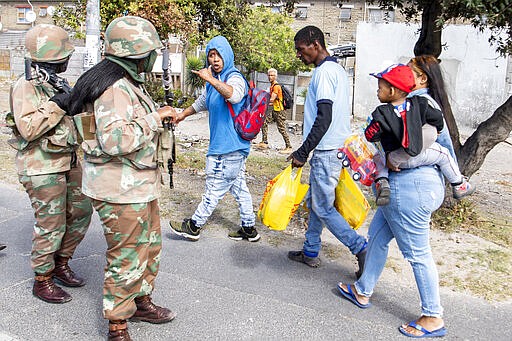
<point x="464" y="189"/>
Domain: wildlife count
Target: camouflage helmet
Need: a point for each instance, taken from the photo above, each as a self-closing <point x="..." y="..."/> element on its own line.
<point x="48" y="43"/>
<point x="131" y="37"/>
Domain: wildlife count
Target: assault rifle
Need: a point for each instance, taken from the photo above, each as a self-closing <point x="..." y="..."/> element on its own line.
<point x="169" y="97"/>
<point x="46" y="72"/>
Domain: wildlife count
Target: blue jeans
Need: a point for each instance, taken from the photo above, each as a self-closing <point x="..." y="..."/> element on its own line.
<point x="225" y="173"/>
<point x="445" y="140"/>
<point x="415" y="194"/>
<point x="323" y="178"/>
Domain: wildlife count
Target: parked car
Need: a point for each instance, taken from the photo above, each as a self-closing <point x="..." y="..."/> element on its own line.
<point x="342" y="51"/>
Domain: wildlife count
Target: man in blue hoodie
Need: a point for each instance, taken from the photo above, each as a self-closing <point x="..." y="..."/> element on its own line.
<point x="227" y="152"/>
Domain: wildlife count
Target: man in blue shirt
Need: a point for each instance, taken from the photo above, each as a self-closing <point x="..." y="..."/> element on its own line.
<point x="326" y="126"/>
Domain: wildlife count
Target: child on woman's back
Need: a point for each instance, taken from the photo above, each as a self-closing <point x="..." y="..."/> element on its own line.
<point x="410" y="126"/>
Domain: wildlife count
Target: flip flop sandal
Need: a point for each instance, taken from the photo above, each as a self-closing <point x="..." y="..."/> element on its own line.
<point x="435" y="333"/>
<point x="350" y="295"/>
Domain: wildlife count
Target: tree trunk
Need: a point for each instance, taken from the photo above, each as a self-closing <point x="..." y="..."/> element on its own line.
<point x="429" y="41"/>
<point x="489" y="133"/>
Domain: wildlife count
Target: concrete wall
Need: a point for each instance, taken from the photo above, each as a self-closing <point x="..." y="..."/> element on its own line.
<point x="475" y="75"/>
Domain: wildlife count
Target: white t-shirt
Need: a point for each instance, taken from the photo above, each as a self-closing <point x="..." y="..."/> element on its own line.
<point x="330" y="83"/>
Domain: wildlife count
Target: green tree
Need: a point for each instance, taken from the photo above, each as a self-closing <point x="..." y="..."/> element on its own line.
<point x="495" y="15"/>
<point x="166" y="15"/>
<point x="71" y="18"/>
<point x="267" y="35"/>
<point x="269" y="39"/>
<point x="72" y="15"/>
<point x="208" y="16"/>
<point x="111" y="9"/>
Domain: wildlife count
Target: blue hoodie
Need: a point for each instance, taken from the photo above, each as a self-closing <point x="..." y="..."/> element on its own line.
<point x="223" y="137"/>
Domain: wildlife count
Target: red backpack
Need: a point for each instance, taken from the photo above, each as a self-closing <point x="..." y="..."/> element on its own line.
<point x="249" y="120"/>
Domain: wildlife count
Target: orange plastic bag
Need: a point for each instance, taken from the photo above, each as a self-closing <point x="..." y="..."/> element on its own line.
<point x="350" y="201"/>
<point x="281" y="199"/>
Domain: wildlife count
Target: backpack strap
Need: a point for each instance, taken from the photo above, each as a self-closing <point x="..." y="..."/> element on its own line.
<point x="249" y="94"/>
<point x="250" y="86"/>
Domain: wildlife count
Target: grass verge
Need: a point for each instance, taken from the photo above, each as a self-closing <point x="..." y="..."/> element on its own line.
<point x="488" y="274"/>
<point x="483" y="272"/>
<point x="463" y="217"/>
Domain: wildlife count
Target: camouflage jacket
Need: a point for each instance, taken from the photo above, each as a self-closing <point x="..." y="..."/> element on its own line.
<point x="43" y="136"/>
<point x="120" y="162"/>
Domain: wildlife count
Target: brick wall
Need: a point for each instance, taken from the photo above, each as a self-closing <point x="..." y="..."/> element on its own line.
<point x="9" y="13"/>
<point x="5" y="63"/>
<point x="326" y="16"/>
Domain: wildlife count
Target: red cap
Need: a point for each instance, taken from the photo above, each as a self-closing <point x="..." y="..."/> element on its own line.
<point x="398" y="75"/>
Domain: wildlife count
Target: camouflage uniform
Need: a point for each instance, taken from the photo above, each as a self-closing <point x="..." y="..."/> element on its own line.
<point x="47" y="166"/>
<point x="122" y="177"/>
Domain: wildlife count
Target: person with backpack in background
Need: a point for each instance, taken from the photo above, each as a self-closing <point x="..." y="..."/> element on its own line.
<point x="277" y="114"/>
<point x="227" y="151"/>
<point x="326" y="126"/>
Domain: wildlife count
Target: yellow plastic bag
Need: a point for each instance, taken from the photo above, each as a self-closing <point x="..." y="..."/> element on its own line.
<point x="350" y="201"/>
<point x="281" y="199"/>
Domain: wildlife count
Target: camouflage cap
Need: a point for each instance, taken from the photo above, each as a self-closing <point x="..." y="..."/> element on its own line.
<point x="132" y="37"/>
<point x="48" y="43"/>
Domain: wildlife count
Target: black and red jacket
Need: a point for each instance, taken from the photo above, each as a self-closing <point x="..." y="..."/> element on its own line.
<point x="387" y="125"/>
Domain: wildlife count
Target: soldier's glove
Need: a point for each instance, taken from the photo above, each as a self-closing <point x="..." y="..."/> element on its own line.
<point x="62" y="100"/>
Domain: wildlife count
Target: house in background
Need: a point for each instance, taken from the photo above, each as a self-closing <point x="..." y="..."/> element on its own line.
<point x="16" y="18"/>
<point x="338" y="20"/>
<point x="382" y="36"/>
<point x="19" y="15"/>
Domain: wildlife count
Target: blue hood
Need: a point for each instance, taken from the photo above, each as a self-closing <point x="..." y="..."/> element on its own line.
<point x="223" y="137"/>
<point x="222" y="46"/>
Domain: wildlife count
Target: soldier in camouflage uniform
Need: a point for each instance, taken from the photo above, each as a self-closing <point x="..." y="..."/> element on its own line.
<point x="45" y="138"/>
<point x="121" y="173"/>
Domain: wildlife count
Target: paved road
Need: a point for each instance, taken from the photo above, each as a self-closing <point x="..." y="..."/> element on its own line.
<point x="222" y="290"/>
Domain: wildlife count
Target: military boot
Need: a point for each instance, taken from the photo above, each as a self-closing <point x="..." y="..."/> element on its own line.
<point x="65" y="275"/>
<point x="147" y="311"/>
<point x="46" y="290"/>
<point x="118" y="331"/>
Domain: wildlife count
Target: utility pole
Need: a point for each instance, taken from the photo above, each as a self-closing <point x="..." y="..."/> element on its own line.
<point x="92" y="34"/>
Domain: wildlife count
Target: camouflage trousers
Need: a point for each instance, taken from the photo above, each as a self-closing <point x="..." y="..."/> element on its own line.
<point x="280" y="118"/>
<point x="134" y="244"/>
<point x="62" y="215"/>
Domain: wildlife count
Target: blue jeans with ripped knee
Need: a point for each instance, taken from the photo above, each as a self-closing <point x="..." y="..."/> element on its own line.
<point x="225" y="173"/>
